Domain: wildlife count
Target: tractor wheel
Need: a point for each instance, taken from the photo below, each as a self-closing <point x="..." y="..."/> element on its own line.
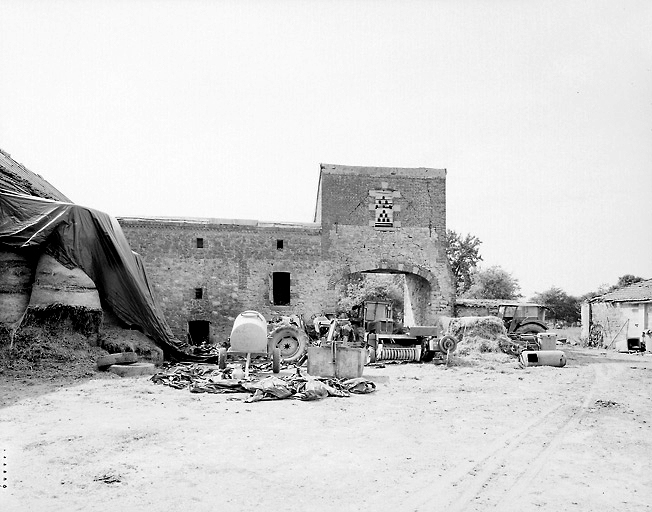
<point x="221" y="359"/>
<point x="291" y="342"/>
<point x="276" y="360"/>
<point x="447" y="344"/>
<point x="530" y="329"/>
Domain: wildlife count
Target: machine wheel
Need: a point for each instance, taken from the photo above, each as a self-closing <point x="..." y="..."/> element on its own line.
<point x="447" y="344"/>
<point x="530" y="329"/>
<point x="290" y="341"/>
<point x="221" y="359"/>
<point x="276" y="360"/>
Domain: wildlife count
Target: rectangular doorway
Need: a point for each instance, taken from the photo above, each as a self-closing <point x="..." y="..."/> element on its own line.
<point x="199" y="331"/>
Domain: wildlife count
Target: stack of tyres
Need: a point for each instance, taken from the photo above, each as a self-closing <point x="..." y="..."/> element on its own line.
<point x="125" y="364"/>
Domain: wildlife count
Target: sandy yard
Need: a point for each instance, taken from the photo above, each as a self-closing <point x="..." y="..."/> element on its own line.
<point x="482" y="435"/>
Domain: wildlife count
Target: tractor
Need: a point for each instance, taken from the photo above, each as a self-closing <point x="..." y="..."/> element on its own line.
<point x="523" y="318"/>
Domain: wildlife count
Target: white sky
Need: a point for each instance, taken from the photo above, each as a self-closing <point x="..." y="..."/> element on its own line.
<point x="541" y="111"/>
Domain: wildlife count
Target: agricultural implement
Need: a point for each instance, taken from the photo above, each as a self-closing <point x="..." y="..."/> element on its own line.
<point x="417" y="343"/>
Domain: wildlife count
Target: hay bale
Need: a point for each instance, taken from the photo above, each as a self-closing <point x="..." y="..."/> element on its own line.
<point x="56" y="284"/>
<point x="476" y="333"/>
<point x="63" y="297"/>
<point x="16" y="275"/>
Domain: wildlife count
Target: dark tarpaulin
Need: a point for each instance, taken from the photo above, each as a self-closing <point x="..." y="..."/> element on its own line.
<point x="93" y="241"/>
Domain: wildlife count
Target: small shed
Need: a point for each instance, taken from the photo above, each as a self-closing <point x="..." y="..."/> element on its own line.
<point x="620" y="319"/>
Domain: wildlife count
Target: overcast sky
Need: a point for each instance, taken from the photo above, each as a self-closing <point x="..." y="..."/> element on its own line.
<point x="541" y="112"/>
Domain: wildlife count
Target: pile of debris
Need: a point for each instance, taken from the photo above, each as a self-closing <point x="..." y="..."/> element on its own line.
<point x="209" y="378"/>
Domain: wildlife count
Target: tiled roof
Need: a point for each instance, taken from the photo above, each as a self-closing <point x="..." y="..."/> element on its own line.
<point x="207" y="222"/>
<point x="483" y="303"/>
<point x="15" y="177"/>
<point x="637" y="292"/>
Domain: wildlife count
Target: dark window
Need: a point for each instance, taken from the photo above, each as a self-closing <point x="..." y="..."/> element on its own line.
<point x="199" y="293"/>
<point x="200" y="243"/>
<point x="281" y="288"/>
<point x="279" y="245"/>
<point x="198" y="332"/>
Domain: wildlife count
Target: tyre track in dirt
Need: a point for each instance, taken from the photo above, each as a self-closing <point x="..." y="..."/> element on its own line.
<point x="509" y="500"/>
<point x="516" y="457"/>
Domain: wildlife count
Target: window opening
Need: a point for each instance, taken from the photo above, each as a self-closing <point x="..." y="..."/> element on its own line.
<point x="200" y="243"/>
<point x="279" y="245"/>
<point x="199" y="293"/>
<point x="281" y="288"/>
<point x="198" y="332"/>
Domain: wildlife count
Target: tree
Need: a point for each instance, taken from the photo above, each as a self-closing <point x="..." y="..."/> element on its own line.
<point x="626" y="280"/>
<point x="562" y="306"/>
<point x="375" y="287"/>
<point x="463" y="255"/>
<point x="493" y="283"/>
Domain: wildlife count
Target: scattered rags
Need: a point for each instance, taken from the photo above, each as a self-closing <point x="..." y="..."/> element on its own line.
<point x="208" y="378"/>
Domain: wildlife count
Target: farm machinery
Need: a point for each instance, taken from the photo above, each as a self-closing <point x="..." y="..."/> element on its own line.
<point x="386" y="340"/>
<point x="525" y="322"/>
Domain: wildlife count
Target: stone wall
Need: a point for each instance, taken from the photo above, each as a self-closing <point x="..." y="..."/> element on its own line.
<point x="233" y="269"/>
<point x="413" y="245"/>
<point x="620" y="322"/>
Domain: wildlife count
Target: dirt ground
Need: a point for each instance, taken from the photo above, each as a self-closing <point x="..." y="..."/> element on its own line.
<point x="482" y="434"/>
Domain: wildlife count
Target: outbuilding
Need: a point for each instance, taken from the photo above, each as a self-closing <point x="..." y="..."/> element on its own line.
<point x="620" y="319"/>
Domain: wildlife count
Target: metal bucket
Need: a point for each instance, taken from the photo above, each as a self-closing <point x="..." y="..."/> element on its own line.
<point x="340" y="362"/>
<point x="547" y="340"/>
<point x="543" y="358"/>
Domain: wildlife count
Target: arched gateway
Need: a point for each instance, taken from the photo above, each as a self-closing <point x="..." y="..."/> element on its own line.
<point x="367" y="219"/>
<point x="390" y="220"/>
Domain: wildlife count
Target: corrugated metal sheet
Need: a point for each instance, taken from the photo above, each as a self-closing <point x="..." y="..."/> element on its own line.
<point x="15" y="177"/>
<point x="637" y="292"/>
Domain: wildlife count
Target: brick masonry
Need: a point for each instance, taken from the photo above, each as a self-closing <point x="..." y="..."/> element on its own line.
<point x="234" y="267"/>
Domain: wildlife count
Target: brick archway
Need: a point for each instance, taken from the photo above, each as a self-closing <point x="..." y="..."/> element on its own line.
<point x="420" y="292"/>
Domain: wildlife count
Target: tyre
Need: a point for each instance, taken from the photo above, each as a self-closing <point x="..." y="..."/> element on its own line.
<point x="291" y="342"/>
<point x="447" y="344"/>
<point x="276" y="360"/>
<point x="530" y="329"/>
<point x="120" y="358"/>
<point x="221" y="359"/>
<point x="133" y="369"/>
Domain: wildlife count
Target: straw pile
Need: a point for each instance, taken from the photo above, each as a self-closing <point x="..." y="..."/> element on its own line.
<point x="476" y="333"/>
<point x="48" y="353"/>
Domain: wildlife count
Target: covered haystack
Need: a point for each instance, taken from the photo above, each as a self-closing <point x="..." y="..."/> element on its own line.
<point x="16" y="276"/>
<point x="63" y="296"/>
<point x="476" y="333"/>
